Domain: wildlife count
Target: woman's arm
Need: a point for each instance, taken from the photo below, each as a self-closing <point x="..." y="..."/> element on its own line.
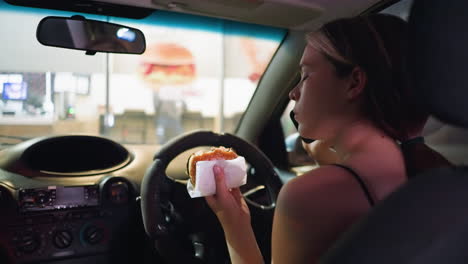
<point x="242" y="246"/>
<point x="234" y="216"/>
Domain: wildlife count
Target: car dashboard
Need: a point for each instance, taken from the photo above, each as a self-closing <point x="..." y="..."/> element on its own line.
<point x="67" y="198"/>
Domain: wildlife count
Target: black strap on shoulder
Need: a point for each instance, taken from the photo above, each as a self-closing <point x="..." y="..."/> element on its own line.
<point x="360" y="181"/>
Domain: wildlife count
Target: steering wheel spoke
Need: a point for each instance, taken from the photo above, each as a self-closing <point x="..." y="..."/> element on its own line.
<point x="252" y="192"/>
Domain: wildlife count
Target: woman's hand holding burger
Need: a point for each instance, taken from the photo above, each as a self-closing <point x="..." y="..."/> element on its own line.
<point x="234" y="215"/>
<point x="228" y="204"/>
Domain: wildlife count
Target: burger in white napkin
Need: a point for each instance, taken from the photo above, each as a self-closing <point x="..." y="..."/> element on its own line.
<point x="200" y="169"/>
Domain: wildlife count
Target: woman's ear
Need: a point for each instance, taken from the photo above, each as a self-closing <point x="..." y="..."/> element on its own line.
<point x="357" y="82"/>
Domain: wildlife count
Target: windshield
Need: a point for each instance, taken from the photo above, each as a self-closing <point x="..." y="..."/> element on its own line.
<point x="196" y="73"/>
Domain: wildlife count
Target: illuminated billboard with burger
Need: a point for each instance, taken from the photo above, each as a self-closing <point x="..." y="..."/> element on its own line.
<point x="167" y="64"/>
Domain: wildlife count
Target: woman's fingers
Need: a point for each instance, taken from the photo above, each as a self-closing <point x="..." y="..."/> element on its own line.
<point x="224" y="196"/>
<point x="220" y="180"/>
<point x="236" y="193"/>
<point x="228" y="204"/>
<point x="221" y="189"/>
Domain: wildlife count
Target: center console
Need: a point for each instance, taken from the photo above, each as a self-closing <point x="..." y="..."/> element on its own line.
<point x="59" y="222"/>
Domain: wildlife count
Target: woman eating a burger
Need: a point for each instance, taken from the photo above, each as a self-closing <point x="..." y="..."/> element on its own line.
<point x="353" y="94"/>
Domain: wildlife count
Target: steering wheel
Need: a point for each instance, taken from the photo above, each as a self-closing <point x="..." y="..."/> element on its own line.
<point x="182" y="227"/>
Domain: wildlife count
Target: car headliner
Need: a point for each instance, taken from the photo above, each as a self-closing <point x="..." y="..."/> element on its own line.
<point x="300" y="14"/>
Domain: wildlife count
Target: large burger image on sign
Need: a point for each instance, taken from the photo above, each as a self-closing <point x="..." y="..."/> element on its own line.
<point x="167" y="64"/>
<point x="168" y="69"/>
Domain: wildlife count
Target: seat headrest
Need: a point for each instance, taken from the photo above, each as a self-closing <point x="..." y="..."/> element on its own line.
<point x="438" y="58"/>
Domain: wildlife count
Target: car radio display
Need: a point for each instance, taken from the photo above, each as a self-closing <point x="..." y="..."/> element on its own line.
<point x="58" y="197"/>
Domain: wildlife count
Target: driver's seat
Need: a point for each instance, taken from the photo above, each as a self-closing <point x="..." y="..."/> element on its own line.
<point x="425" y="221"/>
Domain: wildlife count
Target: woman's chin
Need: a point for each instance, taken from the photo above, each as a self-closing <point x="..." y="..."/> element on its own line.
<point x="305" y="132"/>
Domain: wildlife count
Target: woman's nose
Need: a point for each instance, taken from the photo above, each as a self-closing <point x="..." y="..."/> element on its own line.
<point x="293" y="94"/>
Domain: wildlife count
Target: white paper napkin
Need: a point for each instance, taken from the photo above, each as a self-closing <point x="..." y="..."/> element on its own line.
<point x="234" y="172"/>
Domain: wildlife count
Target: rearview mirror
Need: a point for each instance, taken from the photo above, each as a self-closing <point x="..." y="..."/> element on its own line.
<point x="90" y="35"/>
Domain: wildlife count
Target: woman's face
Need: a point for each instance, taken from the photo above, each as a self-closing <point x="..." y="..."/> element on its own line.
<point x="321" y="100"/>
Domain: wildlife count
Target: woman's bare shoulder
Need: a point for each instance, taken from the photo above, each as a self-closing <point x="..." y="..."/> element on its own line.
<point x="313" y="210"/>
<point x="329" y="187"/>
<point x="383" y="170"/>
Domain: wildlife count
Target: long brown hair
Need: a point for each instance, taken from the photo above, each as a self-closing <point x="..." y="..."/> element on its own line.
<point x="377" y="44"/>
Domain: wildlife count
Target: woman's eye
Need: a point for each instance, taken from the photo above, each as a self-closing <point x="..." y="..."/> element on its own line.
<point x="304" y="77"/>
